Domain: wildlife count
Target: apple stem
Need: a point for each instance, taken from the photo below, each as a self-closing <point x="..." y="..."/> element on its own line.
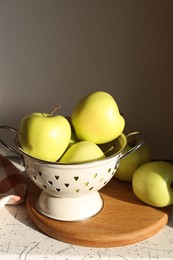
<point x="110" y="149"/>
<point x="55" y="109"/>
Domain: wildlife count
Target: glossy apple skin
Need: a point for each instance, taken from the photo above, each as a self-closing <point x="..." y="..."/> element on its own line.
<point x="96" y="118"/>
<point x="82" y="151"/>
<point x="132" y="162"/>
<point x="153" y="183"/>
<point x="44" y="137"/>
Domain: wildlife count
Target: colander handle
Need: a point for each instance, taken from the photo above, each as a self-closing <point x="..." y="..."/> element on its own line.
<point x="140" y="138"/>
<point x="8" y="147"/>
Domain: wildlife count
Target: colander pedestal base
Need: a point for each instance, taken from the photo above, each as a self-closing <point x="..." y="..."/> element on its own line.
<point x="70" y="209"/>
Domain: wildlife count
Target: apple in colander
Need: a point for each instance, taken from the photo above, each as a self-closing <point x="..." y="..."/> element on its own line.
<point x="96" y="118"/>
<point x="82" y="151"/>
<point x="44" y="136"/>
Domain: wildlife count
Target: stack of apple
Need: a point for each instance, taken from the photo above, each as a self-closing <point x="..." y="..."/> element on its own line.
<point x="95" y="120"/>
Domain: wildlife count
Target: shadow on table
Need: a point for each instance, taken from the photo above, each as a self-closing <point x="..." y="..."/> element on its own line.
<point x="122" y="193"/>
<point x="19" y="212"/>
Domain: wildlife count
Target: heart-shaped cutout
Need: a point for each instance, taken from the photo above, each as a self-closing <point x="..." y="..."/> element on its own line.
<point x="40" y="173"/>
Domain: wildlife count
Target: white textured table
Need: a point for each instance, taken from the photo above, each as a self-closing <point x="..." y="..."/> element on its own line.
<point x="21" y="240"/>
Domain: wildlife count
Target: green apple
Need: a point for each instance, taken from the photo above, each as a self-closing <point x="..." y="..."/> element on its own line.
<point x="96" y="118"/>
<point x="129" y="164"/>
<point x="153" y="183"/>
<point x="44" y="136"/>
<point x="73" y="139"/>
<point x="82" y="151"/>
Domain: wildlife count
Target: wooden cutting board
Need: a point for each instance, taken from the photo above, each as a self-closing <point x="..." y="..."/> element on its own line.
<point x="123" y="220"/>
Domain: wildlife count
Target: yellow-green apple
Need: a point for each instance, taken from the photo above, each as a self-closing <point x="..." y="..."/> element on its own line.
<point x="153" y="183"/>
<point x="129" y="164"/>
<point x="44" y="136"/>
<point x="82" y="151"/>
<point x="96" y="118"/>
<point x="73" y="139"/>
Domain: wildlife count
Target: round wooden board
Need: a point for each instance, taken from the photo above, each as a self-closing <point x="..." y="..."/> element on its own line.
<point x="123" y="220"/>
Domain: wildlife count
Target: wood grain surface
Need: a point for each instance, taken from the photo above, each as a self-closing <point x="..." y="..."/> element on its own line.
<point x="123" y="220"/>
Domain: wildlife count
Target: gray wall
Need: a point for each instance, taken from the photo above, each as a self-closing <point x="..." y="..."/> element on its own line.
<point x="55" y="52"/>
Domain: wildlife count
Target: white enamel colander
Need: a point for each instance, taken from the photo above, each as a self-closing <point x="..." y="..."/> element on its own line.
<point x="70" y="192"/>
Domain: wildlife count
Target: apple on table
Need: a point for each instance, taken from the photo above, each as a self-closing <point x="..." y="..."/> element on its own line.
<point x="129" y="164"/>
<point x="152" y="183"/>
